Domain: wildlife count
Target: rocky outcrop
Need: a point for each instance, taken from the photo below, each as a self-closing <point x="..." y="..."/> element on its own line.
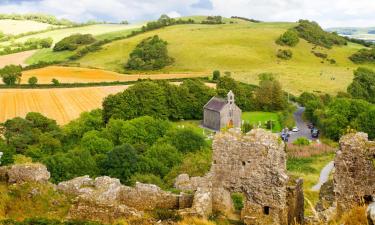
<point x="21" y="173"/>
<point x="354" y="177"/>
<point x="106" y="199"/>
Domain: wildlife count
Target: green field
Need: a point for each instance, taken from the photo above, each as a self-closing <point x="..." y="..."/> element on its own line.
<point x="309" y="170"/>
<point x="246" y="49"/>
<point x="47" y="55"/>
<point x="256" y="118"/>
<point x="96" y="29"/>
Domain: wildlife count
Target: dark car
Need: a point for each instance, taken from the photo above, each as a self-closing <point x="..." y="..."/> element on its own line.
<point x="310" y="125"/>
<point x="315" y="133"/>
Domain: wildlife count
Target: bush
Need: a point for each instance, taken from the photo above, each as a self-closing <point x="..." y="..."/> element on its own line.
<point x="150" y="54"/>
<point x="320" y="55"/>
<point x="363" y="84"/>
<point x="11" y="74"/>
<point x="167" y="214"/>
<point x="213" y="20"/>
<point x="301" y="141"/>
<point x="32" y="81"/>
<point x="289" y="38"/>
<point x="216" y="75"/>
<point x="73" y="41"/>
<point x="313" y="33"/>
<point x="285" y="54"/>
<point x="238" y="201"/>
<point x="363" y="56"/>
<point x="55" y="82"/>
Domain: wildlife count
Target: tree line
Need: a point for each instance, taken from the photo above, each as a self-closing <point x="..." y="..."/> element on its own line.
<point x="354" y="109"/>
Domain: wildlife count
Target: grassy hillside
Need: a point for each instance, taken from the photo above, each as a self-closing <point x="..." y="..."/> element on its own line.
<point x="96" y="29"/>
<point x="22" y="26"/>
<point x="246" y="49"/>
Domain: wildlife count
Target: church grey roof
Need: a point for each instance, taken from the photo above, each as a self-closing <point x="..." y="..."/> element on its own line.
<point x="216" y="104"/>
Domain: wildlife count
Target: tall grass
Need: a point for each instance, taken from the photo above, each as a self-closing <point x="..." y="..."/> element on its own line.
<point x="301" y="151"/>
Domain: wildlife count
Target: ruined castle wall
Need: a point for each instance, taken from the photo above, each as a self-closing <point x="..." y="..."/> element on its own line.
<point x="255" y="165"/>
<point x="295" y="202"/>
<point x="354" y="176"/>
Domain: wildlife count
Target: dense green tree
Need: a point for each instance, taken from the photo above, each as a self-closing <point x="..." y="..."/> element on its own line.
<point x="269" y="96"/>
<point x="150" y="54"/>
<point x="363" y="85"/>
<point x="160" y="159"/>
<point x="143" y="130"/>
<point x="8" y="153"/>
<point x="199" y="95"/>
<point x="142" y="99"/>
<point x="33" y="81"/>
<point x="289" y="38"/>
<point x="11" y="74"/>
<point x="95" y="143"/>
<point x="122" y="162"/>
<point x="216" y="75"/>
<point x="185" y="139"/>
<point x="86" y="122"/>
<point x="65" y="166"/>
<point x="73" y="41"/>
<point x="366" y="122"/>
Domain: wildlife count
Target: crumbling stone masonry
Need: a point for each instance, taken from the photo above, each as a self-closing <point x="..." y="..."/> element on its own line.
<point x="354" y="177"/>
<point x="254" y="165"/>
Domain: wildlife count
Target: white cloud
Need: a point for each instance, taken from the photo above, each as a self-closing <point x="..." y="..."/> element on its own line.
<point x="327" y="13"/>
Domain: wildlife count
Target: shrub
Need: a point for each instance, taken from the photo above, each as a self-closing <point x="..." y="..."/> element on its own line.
<point x="167" y="214"/>
<point x="213" y="20"/>
<point x="238" y="201"/>
<point x="289" y="38"/>
<point x="285" y="54"/>
<point x="150" y="54"/>
<point x="32" y="81"/>
<point x="363" y="85"/>
<point x="73" y="41"/>
<point x="301" y="141"/>
<point x="320" y="55"/>
<point x="55" y="82"/>
<point x="363" y="56"/>
<point x="216" y="75"/>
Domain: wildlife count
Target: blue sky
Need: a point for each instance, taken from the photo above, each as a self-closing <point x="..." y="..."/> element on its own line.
<point x="329" y="13"/>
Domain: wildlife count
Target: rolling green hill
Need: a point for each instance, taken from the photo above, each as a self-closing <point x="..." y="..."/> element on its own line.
<point x="243" y="48"/>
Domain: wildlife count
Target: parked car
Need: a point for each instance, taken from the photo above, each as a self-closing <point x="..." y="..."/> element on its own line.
<point x="315" y="133"/>
<point x="310" y="125"/>
<point x="284" y="137"/>
<point x="295" y="129"/>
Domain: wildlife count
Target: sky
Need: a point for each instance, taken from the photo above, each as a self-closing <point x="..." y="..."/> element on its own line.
<point x="328" y="13"/>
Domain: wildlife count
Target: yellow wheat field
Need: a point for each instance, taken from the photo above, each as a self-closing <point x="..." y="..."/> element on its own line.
<point x="60" y="104"/>
<point x="84" y="75"/>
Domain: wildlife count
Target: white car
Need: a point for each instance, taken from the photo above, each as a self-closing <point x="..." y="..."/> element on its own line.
<point x="295" y="129"/>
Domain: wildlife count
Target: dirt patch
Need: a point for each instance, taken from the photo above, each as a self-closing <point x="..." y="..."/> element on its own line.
<point x="16" y="58"/>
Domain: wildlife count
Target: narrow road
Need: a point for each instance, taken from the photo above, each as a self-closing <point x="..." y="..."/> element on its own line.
<point x="324" y="176"/>
<point x="304" y="131"/>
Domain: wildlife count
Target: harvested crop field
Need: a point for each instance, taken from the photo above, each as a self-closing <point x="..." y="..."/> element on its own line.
<point x="22" y="26"/>
<point x="84" y="75"/>
<point x="16" y="58"/>
<point x="61" y="104"/>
